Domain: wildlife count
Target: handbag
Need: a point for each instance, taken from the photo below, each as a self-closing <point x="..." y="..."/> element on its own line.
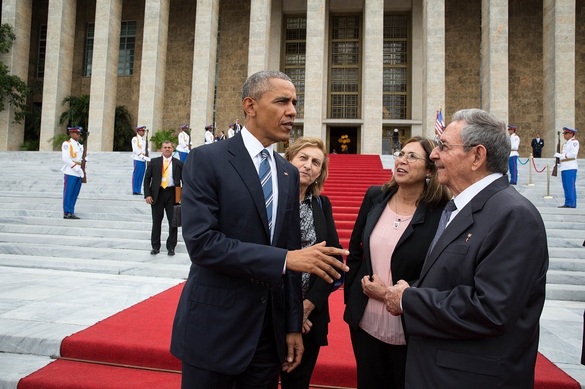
<point x="176" y="220"/>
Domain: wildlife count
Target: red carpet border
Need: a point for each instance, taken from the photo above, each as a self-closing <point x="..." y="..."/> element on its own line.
<point x="130" y="350"/>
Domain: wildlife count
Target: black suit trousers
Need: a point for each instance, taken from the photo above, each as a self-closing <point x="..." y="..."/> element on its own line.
<point x="164" y="203"/>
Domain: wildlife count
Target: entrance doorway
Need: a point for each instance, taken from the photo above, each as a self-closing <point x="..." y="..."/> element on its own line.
<point x="343" y="140"/>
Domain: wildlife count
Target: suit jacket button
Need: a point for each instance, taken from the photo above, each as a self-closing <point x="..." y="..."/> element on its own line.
<point x="263" y="299"/>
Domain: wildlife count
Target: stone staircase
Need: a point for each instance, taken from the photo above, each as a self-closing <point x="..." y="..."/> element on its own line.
<point x="113" y="234"/>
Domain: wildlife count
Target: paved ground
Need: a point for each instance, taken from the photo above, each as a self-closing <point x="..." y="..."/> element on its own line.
<point x="60" y="276"/>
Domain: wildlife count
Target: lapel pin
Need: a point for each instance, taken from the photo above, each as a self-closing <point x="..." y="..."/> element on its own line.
<point x="285" y="173"/>
<point x="468" y="237"/>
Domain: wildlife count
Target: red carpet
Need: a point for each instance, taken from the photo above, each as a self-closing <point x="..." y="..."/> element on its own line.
<point x="139" y="337"/>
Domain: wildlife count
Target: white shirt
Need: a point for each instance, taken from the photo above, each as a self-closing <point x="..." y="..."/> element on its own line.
<point x="514" y="144"/>
<point x="254" y="148"/>
<point x="208" y="137"/>
<point x="570" y="150"/>
<point x="71" y="153"/>
<point x="171" y="182"/>
<point x="470" y="192"/>
<point x="138" y="148"/>
<point x="184" y="141"/>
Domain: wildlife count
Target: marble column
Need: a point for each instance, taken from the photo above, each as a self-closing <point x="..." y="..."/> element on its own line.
<point x="104" y="74"/>
<point x="434" y="63"/>
<point x="559" y="70"/>
<point x="373" y="77"/>
<point x="16" y="13"/>
<point x="316" y="69"/>
<point x="260" y="17"/>
<point x="417" y="69"/>
<point x="494" y="58"/>
<point x="153" y="67"/>
<point x="275" y="34"/>
<point x="204" y="68"/>
<point x="58" y="68"/>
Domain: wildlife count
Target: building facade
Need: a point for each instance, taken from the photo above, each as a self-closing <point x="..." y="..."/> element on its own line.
<point x="362" y="68"/>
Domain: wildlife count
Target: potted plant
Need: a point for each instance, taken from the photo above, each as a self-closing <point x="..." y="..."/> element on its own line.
<point x="160" y="136"/>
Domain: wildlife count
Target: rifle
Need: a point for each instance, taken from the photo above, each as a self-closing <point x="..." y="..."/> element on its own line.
<point x="146" y="143"/>
<point x="557" y="160"/>
<point x="83" y="162"/>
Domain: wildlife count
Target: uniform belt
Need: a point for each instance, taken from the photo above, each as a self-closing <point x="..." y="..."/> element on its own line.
<point x="567" y="160"/>
<point x="167" y="188"/>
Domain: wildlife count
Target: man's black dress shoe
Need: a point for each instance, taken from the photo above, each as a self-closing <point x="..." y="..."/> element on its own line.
<point x="564" y="206"/>
<point x="171" y="252"/>
<point x="70" y="216"/>
<point x="154" y="251"/>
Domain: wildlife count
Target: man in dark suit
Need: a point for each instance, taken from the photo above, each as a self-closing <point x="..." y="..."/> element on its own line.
<point x="239" y="318"/>
<point x="163" y="175"/>
<point x="472" y="318"/>
<point x="537" y="146"/>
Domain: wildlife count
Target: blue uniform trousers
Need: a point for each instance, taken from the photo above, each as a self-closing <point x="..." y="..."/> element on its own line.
<point x="513" y="169"/>
<point x="569" y="177"/>
<point x="71" y="189"/>
<point x="138" y="176"/>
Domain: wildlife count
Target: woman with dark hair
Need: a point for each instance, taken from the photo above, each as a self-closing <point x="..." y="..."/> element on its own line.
<point x="310" y="157"/>
<point x="394" y="228"/>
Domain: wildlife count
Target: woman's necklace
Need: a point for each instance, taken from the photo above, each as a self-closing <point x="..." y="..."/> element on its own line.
<point x="399" y="219"/>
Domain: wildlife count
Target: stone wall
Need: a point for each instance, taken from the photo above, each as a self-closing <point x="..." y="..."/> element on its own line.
<point x="234" y="32"/>
<point x="179" y="74"/>
<point x="580" y="73"/>
<point x="462" y="56"/>
<point x="525" y="45"/>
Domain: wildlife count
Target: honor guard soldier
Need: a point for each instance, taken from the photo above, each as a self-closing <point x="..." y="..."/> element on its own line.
<point x="140" y="157"/>
<point x="71" y="152"/>
<point x="184" y="140"/>
<point x="569" y="167"/>
<point x="513" y="159"/>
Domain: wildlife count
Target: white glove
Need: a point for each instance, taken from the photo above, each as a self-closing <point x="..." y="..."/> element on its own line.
<point x="147" y="159"/>
<point x="558" y="155"/>
<point x="77" y="169"/>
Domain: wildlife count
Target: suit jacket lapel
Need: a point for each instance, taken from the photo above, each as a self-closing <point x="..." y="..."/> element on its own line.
<point x="461" y="223"/>
<point x="244" y="166"/>
<point x="283" y="194"/>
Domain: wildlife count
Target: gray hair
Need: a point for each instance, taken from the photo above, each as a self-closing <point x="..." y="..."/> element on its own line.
<point x="258" y="83"/>
<point x="483" y="128"/>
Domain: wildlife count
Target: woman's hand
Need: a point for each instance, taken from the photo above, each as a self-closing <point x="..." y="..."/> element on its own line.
<point x="373" y="287"/>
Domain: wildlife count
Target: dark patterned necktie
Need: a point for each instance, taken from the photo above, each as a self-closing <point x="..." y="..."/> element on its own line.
<point x="449" y="208"/>
<point x="266" y="180"/>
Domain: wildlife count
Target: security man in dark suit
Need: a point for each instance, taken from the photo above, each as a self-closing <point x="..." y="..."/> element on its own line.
<point x="163" y="175"/>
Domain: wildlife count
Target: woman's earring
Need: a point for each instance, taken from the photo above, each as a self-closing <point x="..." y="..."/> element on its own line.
<point x="428" y="179"/>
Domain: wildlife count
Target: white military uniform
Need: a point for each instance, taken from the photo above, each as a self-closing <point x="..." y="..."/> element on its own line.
<point x="139" y="149"/>
<point x="184" y="141"/>
<point x="71" y="153"/>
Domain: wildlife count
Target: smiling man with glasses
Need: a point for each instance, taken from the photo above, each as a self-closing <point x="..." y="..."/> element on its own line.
<point x="473" y="315"/>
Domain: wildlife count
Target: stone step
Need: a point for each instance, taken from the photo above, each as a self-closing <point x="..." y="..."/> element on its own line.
<point x="138" y="264"/>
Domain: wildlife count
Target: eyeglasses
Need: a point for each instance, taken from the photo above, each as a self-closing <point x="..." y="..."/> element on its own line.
<point x="410" y="157"/>
<point x="442" y="146"/>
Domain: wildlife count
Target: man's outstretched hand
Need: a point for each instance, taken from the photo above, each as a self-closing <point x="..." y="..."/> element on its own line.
<point x="319" y="260"/>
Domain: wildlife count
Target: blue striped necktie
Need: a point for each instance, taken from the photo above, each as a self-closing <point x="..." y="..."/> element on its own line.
<point x="266" y="180"/>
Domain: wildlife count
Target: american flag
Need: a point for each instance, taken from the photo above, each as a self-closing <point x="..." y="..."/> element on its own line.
<point x="439" y="123"/>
